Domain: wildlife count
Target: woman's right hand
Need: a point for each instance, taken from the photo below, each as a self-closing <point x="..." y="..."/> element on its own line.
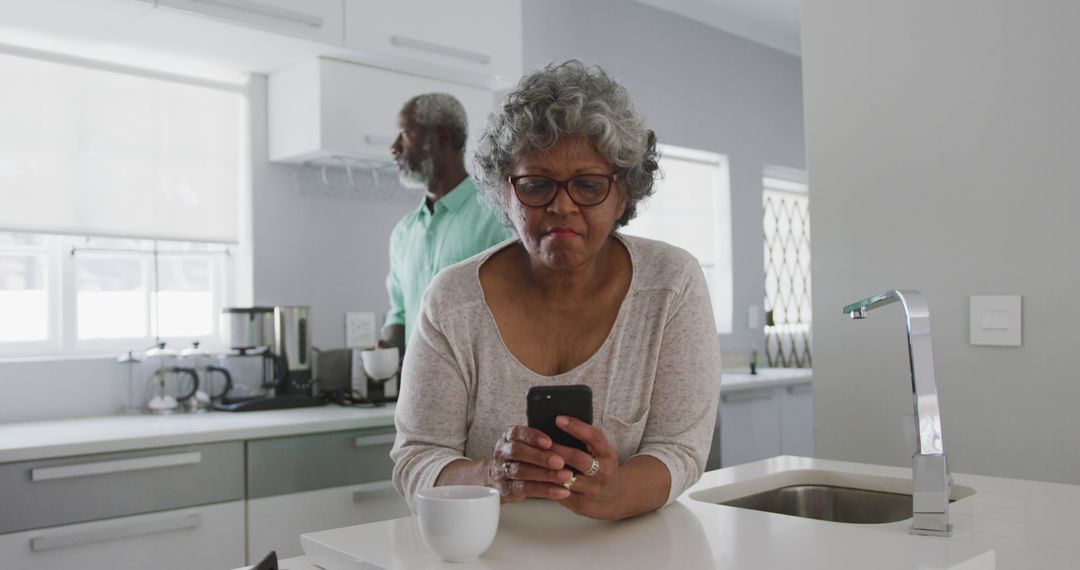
<point x="523" y="465"/>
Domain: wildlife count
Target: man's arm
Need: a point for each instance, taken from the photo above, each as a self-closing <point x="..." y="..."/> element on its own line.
<point x="392" y="335"/>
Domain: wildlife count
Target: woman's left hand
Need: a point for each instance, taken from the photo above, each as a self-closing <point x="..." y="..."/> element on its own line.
<point x="597" y="495"/>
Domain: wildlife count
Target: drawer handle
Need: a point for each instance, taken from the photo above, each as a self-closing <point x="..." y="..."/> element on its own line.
<point x="361" y="492"/>
<point x="800" y="388"/>
<point x="113" y="531"/>
<point x="402" y="41"/>
<point x="746" y="395"/>
<point x="114" y="466"/>
<point x="370" y="440"/>
<point x="381" y="140"/>
<point x="271" y="11"/>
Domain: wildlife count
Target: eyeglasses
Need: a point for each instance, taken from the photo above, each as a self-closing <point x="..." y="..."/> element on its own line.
<point x="584" y="189"/>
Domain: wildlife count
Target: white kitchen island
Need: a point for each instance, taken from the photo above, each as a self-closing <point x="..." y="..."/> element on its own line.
<point x="1005" y="524"/>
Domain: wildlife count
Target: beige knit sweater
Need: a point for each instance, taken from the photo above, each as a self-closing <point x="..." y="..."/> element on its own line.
<point x="655" y="379"/>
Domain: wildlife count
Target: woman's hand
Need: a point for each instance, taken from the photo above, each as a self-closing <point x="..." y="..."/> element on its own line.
<point x="598" y="490"/>
<point x="523" y="465"/>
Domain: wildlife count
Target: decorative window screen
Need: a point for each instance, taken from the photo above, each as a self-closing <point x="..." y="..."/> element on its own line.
<point x="786" y="205"/>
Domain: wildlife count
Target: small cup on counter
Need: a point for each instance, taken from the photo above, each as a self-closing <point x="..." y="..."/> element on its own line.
<point x="458" y="522"/>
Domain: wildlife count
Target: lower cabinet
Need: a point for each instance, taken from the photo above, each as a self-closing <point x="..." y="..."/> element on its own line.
<point x="313" y="482"/>
<point x="208" y="536"/>
<point x="276" y="523"/>
<point x="797" y="420"/>
<point x="217" y="505"/>
<point x="750" y="425"/>
<point x="759" y="423"/>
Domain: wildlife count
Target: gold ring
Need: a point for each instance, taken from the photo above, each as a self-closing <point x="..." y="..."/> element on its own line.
<point x="593" y="468"/>
<point x="570" y="483"/>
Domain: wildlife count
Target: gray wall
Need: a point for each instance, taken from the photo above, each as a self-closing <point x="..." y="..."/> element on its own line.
<point x="698" y="87"/>
<point x="942" y="142"/>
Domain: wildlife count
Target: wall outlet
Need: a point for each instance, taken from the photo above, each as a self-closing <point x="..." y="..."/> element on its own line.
<point x="360" y="329"/>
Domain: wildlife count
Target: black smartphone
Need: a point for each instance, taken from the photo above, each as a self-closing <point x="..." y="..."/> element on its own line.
<point x="545" y="403"/>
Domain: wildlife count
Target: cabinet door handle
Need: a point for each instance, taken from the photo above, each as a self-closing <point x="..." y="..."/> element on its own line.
<point x="746" y="395"/>
<point x="271" y="11"/>
<point x="370" y="440"/>
<point x="800" y="388"/>
<point x="402" y="41"/>
<point x="114" y="466"/>
<point x="381" y="140"/>
<point x="362" y="491"/>
<point x="110" y="530"/>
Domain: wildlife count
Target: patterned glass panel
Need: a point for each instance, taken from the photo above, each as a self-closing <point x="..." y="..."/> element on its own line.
<point x="787" y="278"/>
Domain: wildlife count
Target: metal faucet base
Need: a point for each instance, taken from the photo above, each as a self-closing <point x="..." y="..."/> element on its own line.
<point x="928" y="532"/>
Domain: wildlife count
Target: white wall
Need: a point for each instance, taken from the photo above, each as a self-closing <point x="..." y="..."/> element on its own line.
<point x="698" y="87"/>
<point x="942" y="147"/>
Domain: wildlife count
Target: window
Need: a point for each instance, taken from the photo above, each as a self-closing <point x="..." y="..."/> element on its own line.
<point x="62" y="294"/>
<point x="149" y="163"/>
<point x="24" y="289"/>
<point x="786" y="204"/>
<point x="96" y="151"/>
<point x="692" y="209"/>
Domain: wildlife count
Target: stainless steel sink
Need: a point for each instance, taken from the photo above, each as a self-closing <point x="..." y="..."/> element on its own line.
<point x="828" y="503"/>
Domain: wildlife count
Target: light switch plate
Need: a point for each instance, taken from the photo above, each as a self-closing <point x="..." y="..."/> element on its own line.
<point x="753" y="317"/>
<point x="996" y="320"/>
<point x="360" y="329"/>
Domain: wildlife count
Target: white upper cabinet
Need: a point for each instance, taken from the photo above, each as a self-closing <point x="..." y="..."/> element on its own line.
<point x="319" y="20"/>
<point x="325" y="108"/>
<point x="476" y="41"/>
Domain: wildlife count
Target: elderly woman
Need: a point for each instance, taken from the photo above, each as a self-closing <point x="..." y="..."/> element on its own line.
<point x="565" y="163"/>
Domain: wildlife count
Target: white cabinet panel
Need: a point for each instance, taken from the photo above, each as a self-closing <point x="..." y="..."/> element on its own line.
<point x="324" y="108"/>
<point x="276" y="523"/>
<point x="210" y="536"/>
<point x="797" y="420"/>
<point x="472" y="37"/>
<point x="750" y="425"/>
<point x="321" y="20"/>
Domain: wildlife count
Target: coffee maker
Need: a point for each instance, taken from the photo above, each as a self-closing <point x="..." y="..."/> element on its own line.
<point x="287" y="350"/>
<point x="292" y="346"/>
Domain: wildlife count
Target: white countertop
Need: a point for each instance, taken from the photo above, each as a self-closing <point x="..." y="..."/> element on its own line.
<point x="39" y="440"/>
<point x="23" y="441"/>
<point x="741" y="379"/>
<point x="1006" y="524"/>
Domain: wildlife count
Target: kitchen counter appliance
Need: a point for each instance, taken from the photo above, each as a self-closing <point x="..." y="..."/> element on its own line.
<point x="282" y="340"/>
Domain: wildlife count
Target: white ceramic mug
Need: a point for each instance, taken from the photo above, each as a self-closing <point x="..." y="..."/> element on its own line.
<point x="380" y="363"/>
<point x="458" y="522"/>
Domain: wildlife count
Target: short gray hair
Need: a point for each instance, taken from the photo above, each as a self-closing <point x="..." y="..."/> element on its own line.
<point x="432" y="110"/>
<point x="568" y="100"/>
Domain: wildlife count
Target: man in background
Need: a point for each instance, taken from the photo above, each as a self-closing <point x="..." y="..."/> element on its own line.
<point x="450" y="225"/>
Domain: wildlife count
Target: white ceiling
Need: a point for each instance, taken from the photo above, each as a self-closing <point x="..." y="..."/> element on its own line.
<point x="774" y="23"/>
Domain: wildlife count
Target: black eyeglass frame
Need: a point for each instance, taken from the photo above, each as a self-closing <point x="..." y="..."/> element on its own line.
<point x="562" y="185"/>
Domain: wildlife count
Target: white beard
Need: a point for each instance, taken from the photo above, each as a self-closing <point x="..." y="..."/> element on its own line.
<point x="421" y="177"/>
<point x="413" y="180"/>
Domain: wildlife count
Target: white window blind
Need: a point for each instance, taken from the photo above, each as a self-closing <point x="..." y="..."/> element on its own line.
<point x="692" y="209"/>
<point x="90" y="151"/>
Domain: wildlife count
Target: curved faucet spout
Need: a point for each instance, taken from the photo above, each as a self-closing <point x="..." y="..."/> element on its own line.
<point x="932" y="481"/>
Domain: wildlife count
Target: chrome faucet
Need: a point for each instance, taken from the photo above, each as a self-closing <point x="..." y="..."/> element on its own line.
<point x="931" y="480"/>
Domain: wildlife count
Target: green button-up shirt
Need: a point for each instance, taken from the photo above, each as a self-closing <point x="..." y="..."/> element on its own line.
<point x="423" y="243"/>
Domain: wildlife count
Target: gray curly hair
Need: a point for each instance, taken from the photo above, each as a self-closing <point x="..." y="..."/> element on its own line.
<point x="568" y="100"/>
<point x="442" y="110"/>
